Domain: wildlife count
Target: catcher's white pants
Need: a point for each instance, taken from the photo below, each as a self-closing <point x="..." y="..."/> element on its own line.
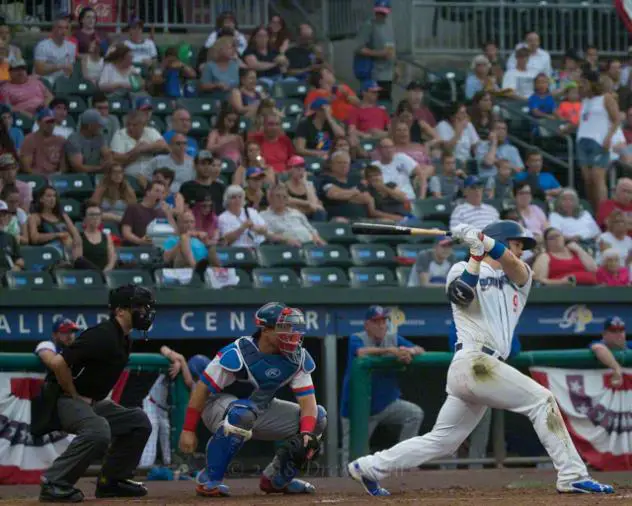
<point x="475" y="381"/>
<point x="160" y="432"/>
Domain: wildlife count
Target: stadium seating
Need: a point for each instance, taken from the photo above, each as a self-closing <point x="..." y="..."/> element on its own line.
<point x="39" y="258"/>
<point x="364" y="277"/>
<point x="28" y="280"/>
<point x="77" y="186"/>
<point x="121" y="277"/>
<point x="330" y="277"/>
<point x="275" y="255"/>
<point x="82" y="279"/>
<point x="372" y="254"/>
<point x="236" y="257"/>
<point x="326" y="256"/>
<point x="280" y="277"/>
<point x="403" y="273"/>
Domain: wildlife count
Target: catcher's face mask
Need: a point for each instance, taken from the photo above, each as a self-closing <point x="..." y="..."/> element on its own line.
<point x="290" y="329"/>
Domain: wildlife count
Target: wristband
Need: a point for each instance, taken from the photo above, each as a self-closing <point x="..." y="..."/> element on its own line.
<point x="497" y="251"/>
<point x="191" y="419"/>
<point x="307" y="424"/>
<point x="488" y="242"/>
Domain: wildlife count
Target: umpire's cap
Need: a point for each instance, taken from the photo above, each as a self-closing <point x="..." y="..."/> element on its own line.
<point x="129" y="296"/>
<point x="507" y="230"/>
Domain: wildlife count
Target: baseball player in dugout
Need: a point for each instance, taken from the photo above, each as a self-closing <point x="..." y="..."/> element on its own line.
<point x="269" y="359"/>
<point x="73" y="399"/>
<point x="380" y="338"/>
<point x="612" y="339"/>
<point x="487" y="295"/>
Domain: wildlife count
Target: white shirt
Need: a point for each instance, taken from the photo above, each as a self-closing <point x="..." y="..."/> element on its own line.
<point x="463" y="147"/>
<point x="146" y="50"/>
<point x="228" y="222"/>
<point x="45" y="346"/>
<point x="399" y="171"/>
<point x="242" y="43"/>
<point x="292" y="224"/>
<point x="594" y="121"/>
<point x="491" y="318"/>
<point x="123" y="143"/>
<point x="62" y="131"/>
<point x="583" y="226"/>
<point x="48" y="52"/>
<point x="623" y="246"/>
<point x="521" y="81"/>
<point x="477" y="216"/>
<point x="540" y="62"/>
<point x="111" y="75"/>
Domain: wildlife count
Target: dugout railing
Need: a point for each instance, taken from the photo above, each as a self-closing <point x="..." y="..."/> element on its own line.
<point x="179" y="393"/>
<point x="360" y="395"/>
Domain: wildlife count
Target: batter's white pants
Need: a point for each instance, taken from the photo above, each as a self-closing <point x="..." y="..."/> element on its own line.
<point x="160" y="432"/>
<point x="475" y="381"/>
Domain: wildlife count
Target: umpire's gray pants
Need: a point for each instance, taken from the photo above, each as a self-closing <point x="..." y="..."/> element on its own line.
<point x="97" y="427"/>
<point x="400" y="412"/>
<point x="280" y="421"/>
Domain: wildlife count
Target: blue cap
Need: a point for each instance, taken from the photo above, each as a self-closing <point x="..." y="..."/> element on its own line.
<point x="382" y="6"/>
<point x="254" y="172"/>
<point x="65" y="325"/>
<point x="370" y="85"/>
<point x="143" y="103"/>
<point x="377" y="313"/>
<point x="45" y="113"/>
<point x="614" y="323"/>
<point x="319" y="103"/>
<point x="471" y="181"/>
<point x="197" y="364"/>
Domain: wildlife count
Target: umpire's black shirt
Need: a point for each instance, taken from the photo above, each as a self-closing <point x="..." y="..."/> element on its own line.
<point x="97" y="358"/>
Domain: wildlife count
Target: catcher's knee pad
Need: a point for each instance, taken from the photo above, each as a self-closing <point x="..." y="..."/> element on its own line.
<point x="321" y="421"/>
<point x="240" y="418"/>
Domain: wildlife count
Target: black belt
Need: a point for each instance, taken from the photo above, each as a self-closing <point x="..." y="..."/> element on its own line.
<point x="484" y="349"/>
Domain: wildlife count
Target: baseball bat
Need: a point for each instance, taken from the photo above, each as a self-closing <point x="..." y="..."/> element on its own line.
<point x="386" y="229"/>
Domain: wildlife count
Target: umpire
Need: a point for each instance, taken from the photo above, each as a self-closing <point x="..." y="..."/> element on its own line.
<point x="84" y="374"/>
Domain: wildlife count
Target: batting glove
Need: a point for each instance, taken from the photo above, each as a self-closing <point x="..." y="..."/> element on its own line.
<point x="461" y="231"/>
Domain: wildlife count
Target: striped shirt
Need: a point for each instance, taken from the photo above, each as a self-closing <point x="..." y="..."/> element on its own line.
<point x="477" y="216"/>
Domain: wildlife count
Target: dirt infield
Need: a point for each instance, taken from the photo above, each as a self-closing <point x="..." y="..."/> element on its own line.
<point x="514" y="487"/>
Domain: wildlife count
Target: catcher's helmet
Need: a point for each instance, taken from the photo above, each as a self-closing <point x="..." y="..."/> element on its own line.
<point x="268" y="314"/>
<point x="506" y="230"/>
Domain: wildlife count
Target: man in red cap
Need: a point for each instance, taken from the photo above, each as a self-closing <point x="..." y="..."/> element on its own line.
<point x="63" y="335"/>
<point x="613" y="339"/>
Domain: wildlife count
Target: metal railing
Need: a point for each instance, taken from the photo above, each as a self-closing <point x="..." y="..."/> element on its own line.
<point x="161" y="13"/>
<point x="459" y="28"/>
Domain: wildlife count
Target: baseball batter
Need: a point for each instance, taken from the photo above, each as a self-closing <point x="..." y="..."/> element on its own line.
<point x="270" y="359"/>
<point x="487" y="295"/>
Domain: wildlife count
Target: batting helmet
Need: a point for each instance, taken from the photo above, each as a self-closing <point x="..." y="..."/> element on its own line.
<point x="507" y="230"/>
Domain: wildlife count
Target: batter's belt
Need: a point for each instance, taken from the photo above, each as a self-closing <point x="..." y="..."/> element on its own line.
<point x="485" y="349"/>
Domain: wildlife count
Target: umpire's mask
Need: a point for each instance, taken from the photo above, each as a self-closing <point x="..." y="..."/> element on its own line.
<point x="139" y="300"/>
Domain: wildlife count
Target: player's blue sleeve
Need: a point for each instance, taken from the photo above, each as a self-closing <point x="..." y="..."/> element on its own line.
<point x="355" y="343"/>
<point x="402" y="341"/>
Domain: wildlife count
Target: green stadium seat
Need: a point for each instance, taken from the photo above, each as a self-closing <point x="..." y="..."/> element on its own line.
<point x="331" y="277"/>
<point x="362" y="277"/>
<point x="289" y="124"/>
<point x="335" y="232"/>
<point x="27" y="280"/>
<point x="162" y="105"/>
<point x="290" y="90"/>
<point x="432" y="209"/>
<point x="35" y="181"/>
<point x="279" y="255"/>
<point x="460" y="253"/>
<point x="39" y="258"/>
<point x="495" y="203"/>
<point x="314" y="164"/>
<point x="410" y="251"/>
<point x="72" y="185"/>
<point x="275" y="278"/>
<point x="369" y="144"/>
<point x="121" y="277"/>
<point x="76" y="105"/>
<point x="263" y="88"/>
<point x="200" y="106"/>
<point x="70" y="122"/>
<point x="244" y="125"/>
<point x="65" y="86"/>
<point x="230" y="256"/>
<point x="23" y="122"/>
<point x="158" y="123"/>
<point x="200" y="126"/>
<point x="228" y="166"/>
<point x="388" y="239"/>
<point x="164" y="280"/>
<point x="139" y="256"/>
<point x="403" y="273"/>
<point x="293" y="107"/>
<point x="244" y="279"/>
<point x="119" y="106"/>
<point x="71" y="207"/>
<point x="76" y="278"/>
<point x="327" y="255"/>
<point x="372" y="254"/>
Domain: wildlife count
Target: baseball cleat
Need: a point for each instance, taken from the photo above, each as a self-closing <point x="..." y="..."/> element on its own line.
<point x="294" y="487"/>
<point x="371" y="486"/>
<point x="587" y="486"/>
<point x="201" y="477"/>
<point x="212" y="489"/>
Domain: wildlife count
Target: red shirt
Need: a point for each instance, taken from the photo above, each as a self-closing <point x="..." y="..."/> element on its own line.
<point x="275" y="153"/>
<point x="369" y="118"/>
<point x="607" y="206"/>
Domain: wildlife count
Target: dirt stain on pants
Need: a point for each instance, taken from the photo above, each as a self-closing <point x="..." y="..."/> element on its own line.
<point x="482" y="369"/>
